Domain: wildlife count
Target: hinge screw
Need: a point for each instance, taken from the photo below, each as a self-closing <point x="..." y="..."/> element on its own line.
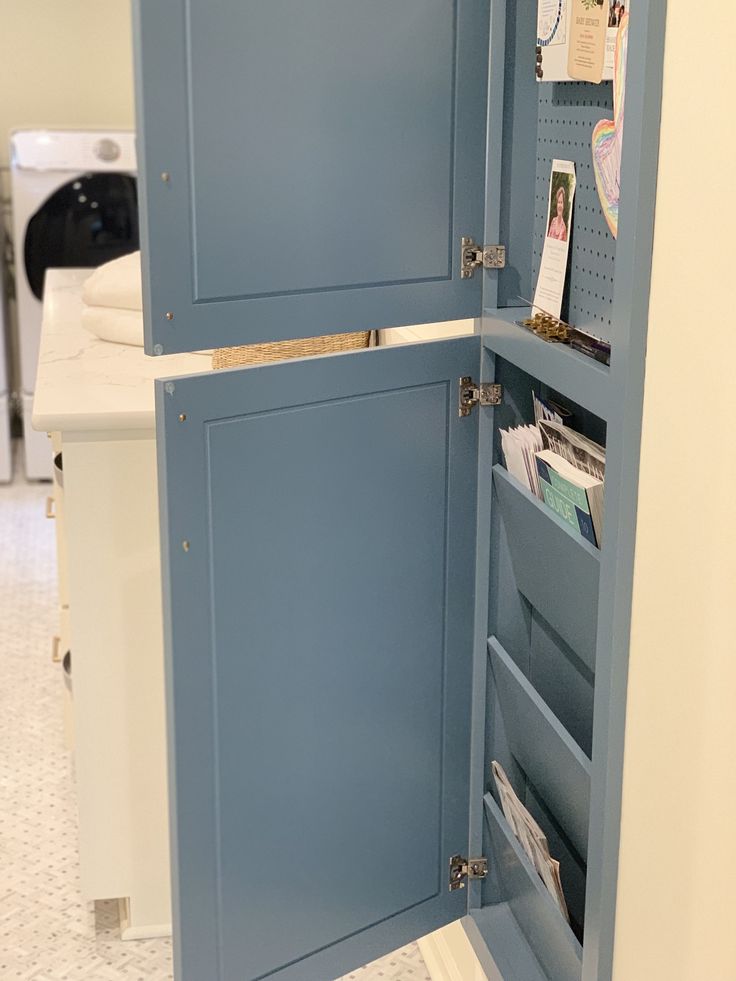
<point x="169" y="315"/>
<point x="183" y="417"/>
<point x="185" y="545"/>
<point x="165" y="176"/>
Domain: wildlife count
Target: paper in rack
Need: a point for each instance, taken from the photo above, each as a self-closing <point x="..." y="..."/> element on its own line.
<point x="578" y="450"/>
<point x="547" y="409"/>
<point x="531" y="837"/>
<point x="576" y="496"/>
<point x="519" y="447"/>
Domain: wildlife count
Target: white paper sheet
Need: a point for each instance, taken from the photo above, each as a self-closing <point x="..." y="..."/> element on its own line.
<point x="553" y="268"/>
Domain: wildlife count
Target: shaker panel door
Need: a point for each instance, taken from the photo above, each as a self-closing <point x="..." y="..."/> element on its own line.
<point x="308" y="167"/>
<point x="319" y="522"/>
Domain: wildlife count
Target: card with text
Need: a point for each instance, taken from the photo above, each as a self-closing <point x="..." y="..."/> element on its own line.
<point x="588" y="29"/>
<point x="565" y="50"/>
<point x="553" y="268"/>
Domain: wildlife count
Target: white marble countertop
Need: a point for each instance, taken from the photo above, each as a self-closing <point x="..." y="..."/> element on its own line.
<point x="84" y="383"/>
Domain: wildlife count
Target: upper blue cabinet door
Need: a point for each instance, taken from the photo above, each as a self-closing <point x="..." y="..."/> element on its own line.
<point x="307" y="166"/>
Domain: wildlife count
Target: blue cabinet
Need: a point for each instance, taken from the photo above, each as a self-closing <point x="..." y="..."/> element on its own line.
<point x="308" y="168"/>
<point x="363" y="610"/>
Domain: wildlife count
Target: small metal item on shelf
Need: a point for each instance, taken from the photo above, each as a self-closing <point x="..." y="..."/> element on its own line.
<point x="548" y="327"/>
<point x="555" y="330"/>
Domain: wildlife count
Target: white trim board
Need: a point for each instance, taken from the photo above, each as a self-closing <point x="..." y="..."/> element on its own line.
<point x="449" y="955"/>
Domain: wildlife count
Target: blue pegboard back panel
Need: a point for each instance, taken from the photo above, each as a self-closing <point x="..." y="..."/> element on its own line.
<point x="568" y="112"/>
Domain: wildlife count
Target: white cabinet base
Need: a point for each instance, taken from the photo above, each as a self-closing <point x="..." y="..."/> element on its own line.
<point x="449" y="955"/>
<point x="98" y="400"/>
<point x="130" y="929"/>
<point x="112" y="541"/>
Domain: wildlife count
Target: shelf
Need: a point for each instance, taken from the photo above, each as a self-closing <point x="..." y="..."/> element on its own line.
<point x="555" y="569"/>
<point x="580" y="378"/>
<point x="550" y="757"/>
<point x="549" y="936"/>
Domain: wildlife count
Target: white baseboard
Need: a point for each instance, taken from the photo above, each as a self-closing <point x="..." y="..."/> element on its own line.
<point x="449" y="955"/>
<point x="147" y="932"/>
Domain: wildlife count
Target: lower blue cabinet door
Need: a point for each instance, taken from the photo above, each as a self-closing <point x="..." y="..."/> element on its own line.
<point x="319" y="529"/>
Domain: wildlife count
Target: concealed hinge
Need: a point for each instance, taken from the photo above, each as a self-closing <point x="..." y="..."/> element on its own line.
<point x="463" y="869"/>
<point x="473" y="257"/>
<point x="487" y="393"/>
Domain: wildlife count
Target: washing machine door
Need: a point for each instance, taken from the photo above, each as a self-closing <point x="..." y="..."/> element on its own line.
<point x="89" y="220"/>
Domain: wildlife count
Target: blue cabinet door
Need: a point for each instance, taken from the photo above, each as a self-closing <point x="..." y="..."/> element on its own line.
<point x="308" y="166"/>
<point x="319" y="523"/>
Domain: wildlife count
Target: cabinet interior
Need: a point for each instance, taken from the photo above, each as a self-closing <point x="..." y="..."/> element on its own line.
<point x="542" y="623"/>
<point x="538" y="123"/>
<point x="542" y="627"/>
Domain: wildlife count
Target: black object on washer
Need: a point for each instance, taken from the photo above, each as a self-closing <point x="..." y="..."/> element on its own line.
<point x="90" y="220"/>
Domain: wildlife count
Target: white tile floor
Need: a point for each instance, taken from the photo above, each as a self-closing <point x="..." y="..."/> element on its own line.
<point x="47" y="931"/>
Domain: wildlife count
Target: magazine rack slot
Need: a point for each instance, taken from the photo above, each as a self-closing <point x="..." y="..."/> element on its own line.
<point x="557" y="571"/>
<point x="562" y="681"/>
<point x="546" y="752"/>
<point x="549" y="936"/>
<point x="495" y="928"/>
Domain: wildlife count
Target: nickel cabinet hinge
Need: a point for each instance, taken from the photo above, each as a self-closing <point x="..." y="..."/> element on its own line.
<point x="470" y="395"/>
<point x="474" y="257"/>
<point x="464" y="869"/>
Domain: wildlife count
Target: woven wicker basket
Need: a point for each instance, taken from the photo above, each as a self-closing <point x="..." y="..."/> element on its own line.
<point x="231" y="357"/>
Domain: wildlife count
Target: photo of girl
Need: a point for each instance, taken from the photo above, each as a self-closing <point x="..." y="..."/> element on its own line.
<point x="557" y="227"/>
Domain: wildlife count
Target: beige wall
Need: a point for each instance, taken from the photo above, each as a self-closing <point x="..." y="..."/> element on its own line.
<point x="64" y="63"/>
<point x="678" y="849"/>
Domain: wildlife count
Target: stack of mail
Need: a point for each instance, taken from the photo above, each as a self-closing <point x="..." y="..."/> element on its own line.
<point x="531" y="837"/>
<point x="520" y="447"/>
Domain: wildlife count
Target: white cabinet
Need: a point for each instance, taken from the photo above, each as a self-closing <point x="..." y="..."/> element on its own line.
<point x="115" y="624"/>
<point x="97" y="401"/>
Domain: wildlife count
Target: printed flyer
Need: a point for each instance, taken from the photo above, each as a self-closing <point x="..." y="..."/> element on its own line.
<point x="555" y="35"/>
<point x="587" y="49"/>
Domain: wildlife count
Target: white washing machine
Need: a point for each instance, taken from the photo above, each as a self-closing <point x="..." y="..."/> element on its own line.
<point x="6" y="460"/>
<point x="75" y="204"/>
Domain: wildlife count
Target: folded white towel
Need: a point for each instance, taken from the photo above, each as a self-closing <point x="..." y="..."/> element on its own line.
<point x="116" y="284"/>
<point x="111" y="324"/>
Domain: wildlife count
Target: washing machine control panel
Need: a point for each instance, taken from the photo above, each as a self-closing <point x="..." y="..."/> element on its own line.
<point x="107" y="150"/>
<point x="73" y="150"/>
